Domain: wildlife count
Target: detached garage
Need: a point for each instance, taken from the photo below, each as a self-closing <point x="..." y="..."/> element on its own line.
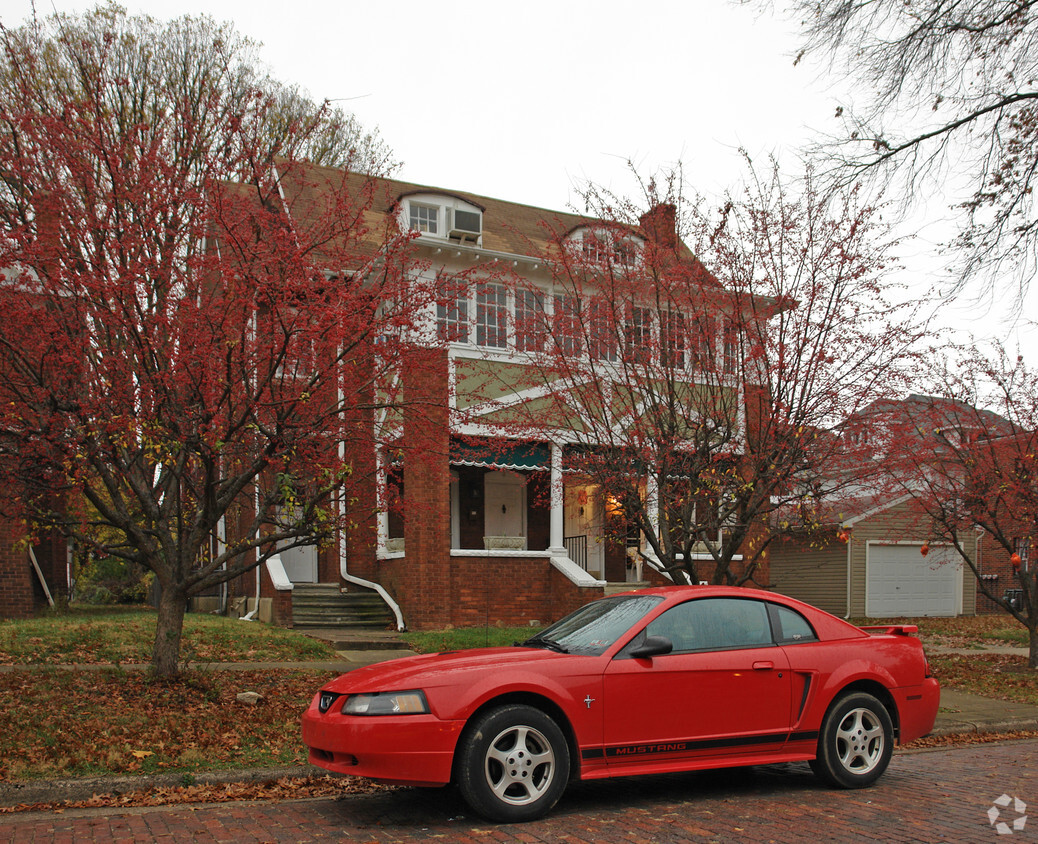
<point x="900" y="581"/>
<point x="880" y="572"/>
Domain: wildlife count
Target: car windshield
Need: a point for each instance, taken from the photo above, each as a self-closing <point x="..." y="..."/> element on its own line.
<point x="593" y="628"/>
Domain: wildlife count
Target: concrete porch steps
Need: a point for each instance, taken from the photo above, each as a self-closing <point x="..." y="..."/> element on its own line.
<point x="324" y="605"/>
<point x="613" y="587"/>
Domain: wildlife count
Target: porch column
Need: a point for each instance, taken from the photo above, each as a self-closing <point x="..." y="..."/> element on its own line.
<point x="652" y="502"/>
<point x="557" y="543"/>
<point x="652" y="512"/>
<point x="382" y="528"/>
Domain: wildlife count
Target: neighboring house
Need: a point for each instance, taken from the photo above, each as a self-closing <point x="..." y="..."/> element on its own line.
<point x="866" y="559"/>
<point x="34" y="571"/>
<point x="875" y="553"/>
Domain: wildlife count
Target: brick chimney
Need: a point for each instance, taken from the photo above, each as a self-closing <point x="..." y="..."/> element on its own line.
<point x="660" y="224"/>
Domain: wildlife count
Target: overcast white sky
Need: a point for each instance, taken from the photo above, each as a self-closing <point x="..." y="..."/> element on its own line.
<point x="522" y="101"/>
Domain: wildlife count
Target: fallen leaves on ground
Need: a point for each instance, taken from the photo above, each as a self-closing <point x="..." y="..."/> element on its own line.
<point x="98" y="723"/>
<point x="999" y="676"/>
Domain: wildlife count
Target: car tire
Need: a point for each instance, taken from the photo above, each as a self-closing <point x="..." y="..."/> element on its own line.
<point x="856" y="742"/>
<point x="513" y="764"/>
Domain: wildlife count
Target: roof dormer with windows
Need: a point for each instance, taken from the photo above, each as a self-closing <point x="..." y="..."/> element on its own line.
<point x="443" y="216"/>
<point x="600" y="246"/>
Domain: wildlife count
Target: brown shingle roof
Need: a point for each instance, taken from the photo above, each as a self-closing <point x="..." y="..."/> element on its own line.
<point x="508" y="227"/>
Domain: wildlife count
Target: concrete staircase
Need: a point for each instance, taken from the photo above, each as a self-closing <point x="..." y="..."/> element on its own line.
<point x="612" y="588"/>
<point x="323" y="605"/>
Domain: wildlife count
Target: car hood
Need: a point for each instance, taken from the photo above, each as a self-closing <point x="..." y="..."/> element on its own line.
<point x="434" y="670"/>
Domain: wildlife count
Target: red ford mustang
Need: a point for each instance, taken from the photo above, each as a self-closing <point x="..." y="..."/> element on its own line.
<point x="643" y="682"/>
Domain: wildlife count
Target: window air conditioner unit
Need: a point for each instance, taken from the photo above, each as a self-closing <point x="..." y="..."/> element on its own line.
<point x="465" y="225"/>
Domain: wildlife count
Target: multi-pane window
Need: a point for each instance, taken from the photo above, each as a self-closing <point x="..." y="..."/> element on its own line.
<point x="730" y="341"/>
<point x="601" y="248"/>
<point x="594" y="248"/>
<point x="452" y="312"/>
<point x="566" y="324"/>
<point x="602" y="331"/>
<point x="672" y="339"/>
<point x="638" y="334"/>
<point x="625" y="252"/>
<point x="424" y="218"/>
<point x="703" y="344"/>
<point x="529" y="321"/>
<point x="492" y="316"/>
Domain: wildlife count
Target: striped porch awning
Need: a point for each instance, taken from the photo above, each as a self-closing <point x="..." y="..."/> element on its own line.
<point x="501" y="454"/>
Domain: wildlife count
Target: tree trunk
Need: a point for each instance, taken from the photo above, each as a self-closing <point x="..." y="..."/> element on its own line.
<point x="1032" y="656"/>
<point x="169" y="626"/>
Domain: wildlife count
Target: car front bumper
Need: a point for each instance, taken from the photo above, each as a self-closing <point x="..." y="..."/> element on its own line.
<point x="399" y="749"/>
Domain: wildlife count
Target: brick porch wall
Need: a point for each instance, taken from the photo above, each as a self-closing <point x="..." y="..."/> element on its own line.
<point x="495" y="590"/>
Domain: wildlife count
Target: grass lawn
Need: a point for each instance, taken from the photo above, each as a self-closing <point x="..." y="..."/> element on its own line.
<point x="463" y="638"/>
<point x="121" y="635"/>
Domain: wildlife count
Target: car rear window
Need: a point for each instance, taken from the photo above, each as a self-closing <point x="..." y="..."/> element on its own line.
<point x="791" y="627"/>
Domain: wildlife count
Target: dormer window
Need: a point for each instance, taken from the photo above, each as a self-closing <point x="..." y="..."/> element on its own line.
<point x="425" y="218"/>
<point x="601" y="247"/>
<point x="442" y="216"/>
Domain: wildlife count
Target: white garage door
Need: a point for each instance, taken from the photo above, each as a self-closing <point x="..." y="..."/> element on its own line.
<point x="900" y="581"/>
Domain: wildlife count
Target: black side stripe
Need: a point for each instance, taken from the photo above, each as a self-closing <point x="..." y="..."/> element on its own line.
<point x="624" y="751"/>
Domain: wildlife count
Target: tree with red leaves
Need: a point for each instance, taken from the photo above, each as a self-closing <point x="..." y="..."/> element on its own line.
<point x="692" y="361"/>
<point x="187" y="365"/>
<point x="968" y="455"/>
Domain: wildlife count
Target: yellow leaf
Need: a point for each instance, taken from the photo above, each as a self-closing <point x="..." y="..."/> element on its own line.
<point x="142" y="754"/>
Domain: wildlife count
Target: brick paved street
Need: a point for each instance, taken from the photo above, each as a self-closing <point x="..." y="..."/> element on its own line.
<point x="930" y="796"/>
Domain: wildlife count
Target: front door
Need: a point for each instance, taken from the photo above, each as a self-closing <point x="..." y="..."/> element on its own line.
<point x="582" y="519"/>
<point x="505" y="500"/>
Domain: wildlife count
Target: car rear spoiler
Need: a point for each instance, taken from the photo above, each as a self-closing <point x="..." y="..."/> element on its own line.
<point x="893" y="629"/>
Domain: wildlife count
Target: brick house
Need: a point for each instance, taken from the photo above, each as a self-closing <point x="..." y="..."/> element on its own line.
<point x="492" y="527"/>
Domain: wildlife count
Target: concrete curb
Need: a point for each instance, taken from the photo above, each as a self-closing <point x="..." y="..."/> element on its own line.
<point x="1012" y="725"/>
<point x="83" y="788"/>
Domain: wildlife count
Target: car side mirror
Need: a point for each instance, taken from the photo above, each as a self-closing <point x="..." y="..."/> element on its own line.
<point x="652" y="646"/>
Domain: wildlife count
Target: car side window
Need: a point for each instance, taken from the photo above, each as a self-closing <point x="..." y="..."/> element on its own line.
<point x="791" y="627"/>
<point x="714" y="624"/>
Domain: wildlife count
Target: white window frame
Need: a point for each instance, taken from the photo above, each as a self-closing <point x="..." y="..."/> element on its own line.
<point x="415" y="222"/>
<point x="492" y="316"/>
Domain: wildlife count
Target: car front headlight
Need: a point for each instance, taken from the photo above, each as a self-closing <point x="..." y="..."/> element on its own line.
<point x="411" y="702"/>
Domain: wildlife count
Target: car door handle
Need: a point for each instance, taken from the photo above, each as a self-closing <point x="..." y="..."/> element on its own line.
<point x="763" y="665"/>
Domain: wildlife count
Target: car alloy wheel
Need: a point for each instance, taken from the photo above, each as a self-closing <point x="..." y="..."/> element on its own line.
<point x="856" y="742"/>
<point x="860" y="741"/>
<point x="513" y="764"/>
<point x="520" y="765"/>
